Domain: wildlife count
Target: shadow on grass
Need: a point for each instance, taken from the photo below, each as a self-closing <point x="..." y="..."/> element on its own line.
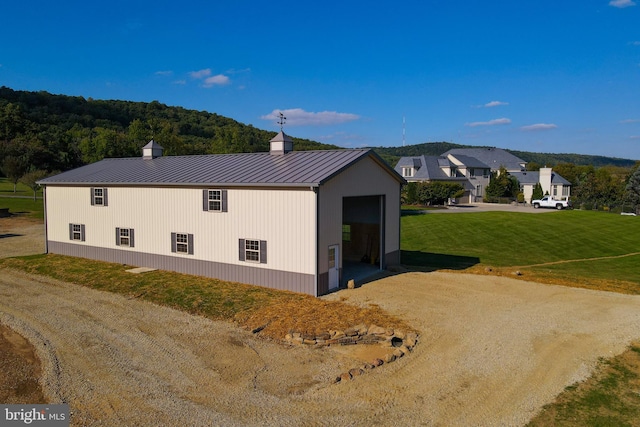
<point x="428" y="261"/>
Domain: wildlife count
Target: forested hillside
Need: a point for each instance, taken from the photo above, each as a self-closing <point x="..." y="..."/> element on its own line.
<point x="59" y="132"/>
<point x="42" y="131"/>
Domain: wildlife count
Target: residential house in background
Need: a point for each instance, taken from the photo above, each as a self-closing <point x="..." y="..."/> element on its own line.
<point x="472" y="168"/>
<point x="551" y="183"/>
<point x="295" y="220"/>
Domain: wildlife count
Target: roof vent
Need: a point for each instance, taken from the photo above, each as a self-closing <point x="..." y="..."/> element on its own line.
<point x="152" y="150"/>
<point x="281" y="144"/>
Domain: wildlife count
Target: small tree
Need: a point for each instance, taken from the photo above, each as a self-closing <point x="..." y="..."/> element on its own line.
<point x="502" y="185"/>
<point x="410" y="193"/>
<point x="13" y="168"/>
<point x="537" y="192"/>
<point x="30" y="179"/>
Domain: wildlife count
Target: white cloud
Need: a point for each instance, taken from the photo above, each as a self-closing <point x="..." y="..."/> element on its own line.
<point x="538" y="126"/>
<point x="495" y="104"/>
<point x="164" y="73"/>
<point x="621" y="3"/>
<point x="494" y="122"/>
<point x="208" y="79"/>
<point x="180" y="82"/>
<point x="299" y="117"/>
<point x="634" y="137"/>
<point x="635" y="43"/>
<point x="626" y="121"/>
<point x="201" y="74"/>
<point x="217" y="80"/>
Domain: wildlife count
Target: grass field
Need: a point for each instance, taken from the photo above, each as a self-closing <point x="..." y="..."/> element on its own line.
<point x="21" y="202"/>
<point x="577" y="248"/>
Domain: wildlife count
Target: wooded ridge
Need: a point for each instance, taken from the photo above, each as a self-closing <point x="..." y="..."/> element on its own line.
<point x="58" y="132"/>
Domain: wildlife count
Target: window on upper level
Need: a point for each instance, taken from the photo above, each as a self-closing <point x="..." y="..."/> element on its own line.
<point x="214" y="200"/>
<point x="407" y="172"/>
<point x="99" y="196"/>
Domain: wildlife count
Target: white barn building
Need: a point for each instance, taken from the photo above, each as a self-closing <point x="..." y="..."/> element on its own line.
<point x="304" y="221"/>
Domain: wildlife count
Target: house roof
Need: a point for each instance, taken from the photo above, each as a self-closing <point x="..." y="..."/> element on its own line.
<point x="533" y="177"/>
<point x="490" y="156"/>
<point x="297" y="169"/>
<point x="471" y="162"/>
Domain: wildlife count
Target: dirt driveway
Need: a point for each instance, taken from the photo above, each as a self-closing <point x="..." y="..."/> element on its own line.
<point x="493" y="350"/>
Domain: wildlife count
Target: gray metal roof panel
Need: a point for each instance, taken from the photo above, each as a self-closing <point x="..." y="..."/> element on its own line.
<point x="296" y="168"/>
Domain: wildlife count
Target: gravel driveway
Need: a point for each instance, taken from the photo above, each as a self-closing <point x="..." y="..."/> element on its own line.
<point x="492" y="351"/>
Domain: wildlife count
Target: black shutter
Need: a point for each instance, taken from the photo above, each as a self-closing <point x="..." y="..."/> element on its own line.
<point x="205" y="200"/>
<point x="190" y="243"/>
<point x="131" y="237"/>
<point x="241" y="250"/>
<point x="82" y="232"/>
<point x="105" y="200"/>
<point x="117" y="236"/>
<point x="70" y="231"/>
<point x="263" y="251"/>
<point x="173" y="242"/>
<point x="224" y="200"/>
<point x="92" y="201"/>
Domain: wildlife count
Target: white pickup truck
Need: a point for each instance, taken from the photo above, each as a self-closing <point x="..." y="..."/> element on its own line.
<point x="550" y="202"/>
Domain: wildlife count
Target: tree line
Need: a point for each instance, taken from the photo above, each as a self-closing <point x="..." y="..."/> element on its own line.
<point x="40" y="131"/>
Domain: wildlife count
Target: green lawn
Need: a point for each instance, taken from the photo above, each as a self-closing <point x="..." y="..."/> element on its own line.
<point x="521" y="240"/>
<point x="21" y="202"/>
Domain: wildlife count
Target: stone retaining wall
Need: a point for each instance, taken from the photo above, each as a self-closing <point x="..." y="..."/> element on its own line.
<point x="402" y="343"/>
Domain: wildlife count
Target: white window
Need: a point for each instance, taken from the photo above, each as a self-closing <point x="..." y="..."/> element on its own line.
<point x="99" y="197"/>
<point x="253" y="250"/>
<point x="555" y="190"/>
<point x="182" y="243"/>
<point x="76" y="232"/>
<point x="565" y="190"/>
<point x="408" y="172"/>
<point x="214" y="200"/>
<point x="124" y="237"/>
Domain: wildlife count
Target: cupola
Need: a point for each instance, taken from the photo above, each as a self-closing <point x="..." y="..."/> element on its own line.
<point x="152" y="150"/>
<point x="281" y="144"/>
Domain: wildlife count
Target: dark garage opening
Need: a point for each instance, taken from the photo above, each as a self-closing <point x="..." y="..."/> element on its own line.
<point x="362" y="237"/>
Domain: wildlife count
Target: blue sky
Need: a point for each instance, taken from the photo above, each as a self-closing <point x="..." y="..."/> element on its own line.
<point x="543" y="76"/>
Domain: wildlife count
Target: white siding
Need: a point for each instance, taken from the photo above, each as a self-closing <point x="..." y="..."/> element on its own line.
<point x="284" y="218"/>
<point x="365" y="178"/>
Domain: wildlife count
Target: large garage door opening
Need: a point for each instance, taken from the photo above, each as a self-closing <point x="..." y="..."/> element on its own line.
<point x="362" y="237"/>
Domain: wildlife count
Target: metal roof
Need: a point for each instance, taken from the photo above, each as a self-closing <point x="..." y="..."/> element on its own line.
<point x="297" y="168"/>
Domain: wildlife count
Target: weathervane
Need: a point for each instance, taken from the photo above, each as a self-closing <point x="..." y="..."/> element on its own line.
<point x="281" y="120"/>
